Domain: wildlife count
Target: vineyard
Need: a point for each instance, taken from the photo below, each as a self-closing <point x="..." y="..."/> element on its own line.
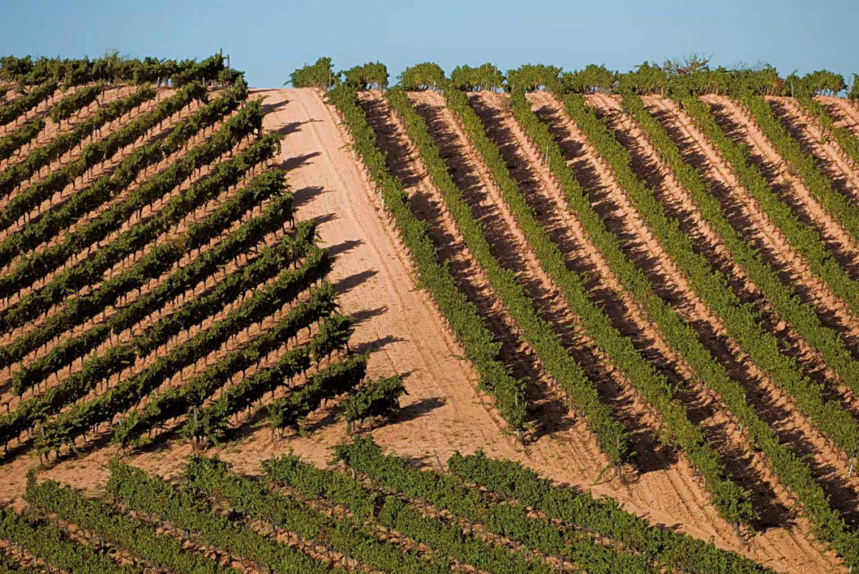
<point x="533" y="321"/>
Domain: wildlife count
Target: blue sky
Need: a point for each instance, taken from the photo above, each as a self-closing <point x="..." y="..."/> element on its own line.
<point x="269" y="39"/>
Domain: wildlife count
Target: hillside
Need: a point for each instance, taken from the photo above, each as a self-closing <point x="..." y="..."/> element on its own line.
<point x="647" y="294"/>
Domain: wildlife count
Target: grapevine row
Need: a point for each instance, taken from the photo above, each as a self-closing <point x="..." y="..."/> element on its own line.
<point x="72" y="104"/>
<point x="523" y="486"/>
<point x="97" y="368"/>
<point x="83" y="416"/>
<point x="96" y="153"/>
<point x="732" y="501"/>
<point x="113" y="70"/>
<point x="174" y="402"/>
<point x="143" y="493"/>
<point x="23" y="135"/>
<point x="448" y="539"/>
<point x="848" y="141"/>
<point x="803" y="239"/>
<point x="161" y="258"/>
<point x="713" y="287"/>
<point x="791" y="150"/>
<point x="139" y="538"/>
<point x="481" y="347"/>
<point x="611" y="434"/>
<point x="675" y="331"/>
<point x="11" y="111"/>
<point x="71" y="279"/>
<point x="43" y="156"/>
<point x="333" y="380"/>
<point x="790" y="468"/>
<point x="48" y="542"/>
<point x="783" y="298"/>
<point x="509" y="521"/>
<point x="349" y="536"/>
<point x="108" y="186"/>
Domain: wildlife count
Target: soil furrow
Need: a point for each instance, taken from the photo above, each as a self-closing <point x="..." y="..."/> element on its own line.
<point x="546" y="198"/>
<point x="74" y="153"/>
<point x="725" y="431"/>
<point x="108" y="170"/>
<point x="130" y="298"/>
<point x="52" y="129"/>
<point x="151" y="210"/>
<point x="86" y="179"/>
<point x="845" y="487"/>
<point x="845" y="112"/>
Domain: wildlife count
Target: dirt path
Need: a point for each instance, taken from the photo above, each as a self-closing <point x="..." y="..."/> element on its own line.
<point x="786" y="184"/>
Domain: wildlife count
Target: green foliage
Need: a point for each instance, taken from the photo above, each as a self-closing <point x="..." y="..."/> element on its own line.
<point x="75" y="102"/>
<point x="48" y="542"/>
<point x="853" y="94"/>
<point x="379" y="398"/>
<point x="534" y="77"/>
<point x="138" y="491"/>
<point x="331" y="381"/>
<point x="842" y="209"/>
<point x="367" y="76"/>
<point x="131" y="534"/>
<point x="444" y="538"/>
<point x="646" y="79"/>
<point x="848" y="140"/>
<point x="113" y="68"/>
<point x="427" y="75"/>
<point x="732" y="501"/>
<point x="13" y="110"/>
<point x="791" y="468"/>
<point x="480" y="345"/>
<point x="176" y="402"/>
<point x="73" y="278"/>
<point x="484" y="77"/>
<point x="319" y="75"/>
<point x="43" y="156"/>
<point x="522" y="486"/>
<point x="592" y="79"/>
<point x="272" y="262"/>
<point x="514" y="521"/>
<point x="818" y="83"/>
<point x="549" y="347"/>
<point x="114" y="360"/>
<point x="713" y="287"/>
<point x="351" y="536"/>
